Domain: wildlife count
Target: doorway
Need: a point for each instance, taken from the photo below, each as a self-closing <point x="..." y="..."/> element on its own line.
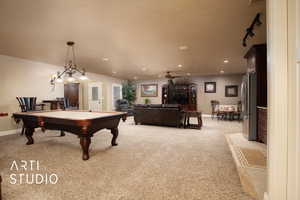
<point x="71" y="93"/>
<point x="95" y="96"/>
<point x="116" y="94"/>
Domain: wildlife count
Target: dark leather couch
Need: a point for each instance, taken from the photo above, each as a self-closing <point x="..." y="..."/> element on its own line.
<point x="158" y="114"/>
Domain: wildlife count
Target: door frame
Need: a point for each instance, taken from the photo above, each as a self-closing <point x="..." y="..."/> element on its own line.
<point x="283" y="100"/>
<point x="88" y="93"/>
<point x="297" y="82"/>
<point x="112" y="93"/>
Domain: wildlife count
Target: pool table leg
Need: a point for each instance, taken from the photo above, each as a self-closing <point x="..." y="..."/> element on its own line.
<point x="85" y="145"/>
<point x="115" y="133"/>
<point x="29" y="133"/>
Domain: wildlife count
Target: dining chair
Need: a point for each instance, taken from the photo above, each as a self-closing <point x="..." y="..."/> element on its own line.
<point x="28" y="104"/>
<point x="64" y="104"/>
<point x="214" y="108"/>
<point x="238" y="113"/>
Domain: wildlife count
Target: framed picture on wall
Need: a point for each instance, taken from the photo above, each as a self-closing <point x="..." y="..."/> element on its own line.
<point x="210" y="87"/>
<point x="149" y="90"/>
<point x="231" y="91"/>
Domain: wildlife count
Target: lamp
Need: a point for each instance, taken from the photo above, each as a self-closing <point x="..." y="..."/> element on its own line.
<point x="71" y="78"/>
<point x="83" y="77"/>
<point x="70" y="68"/>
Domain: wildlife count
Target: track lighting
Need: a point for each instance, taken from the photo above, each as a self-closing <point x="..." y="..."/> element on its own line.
<point x="250" y="30"/>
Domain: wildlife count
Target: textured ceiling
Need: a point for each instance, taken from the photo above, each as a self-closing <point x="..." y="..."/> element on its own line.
<point x="139" y="37"/>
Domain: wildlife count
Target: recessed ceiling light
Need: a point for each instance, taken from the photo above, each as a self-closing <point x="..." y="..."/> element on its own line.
<point x="183" y="47"/>
<point x="144" y="69"/>
<point x="135" y="78"/>
<point x="226" y="61"/>
<point x="222" y="72"/>
<point x="114" y="72"/>
<point x="188" y="74"/>
<point x="105" y="59"/>
<point x="179" y="66"/>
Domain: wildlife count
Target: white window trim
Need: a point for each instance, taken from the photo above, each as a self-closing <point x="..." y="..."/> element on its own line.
<point x="102" y="98"/>
<point x="112" y="93"/>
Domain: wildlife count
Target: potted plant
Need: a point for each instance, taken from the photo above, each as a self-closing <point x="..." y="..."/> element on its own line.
<point x="147" y="101"/>
<point x="129" y="92"/>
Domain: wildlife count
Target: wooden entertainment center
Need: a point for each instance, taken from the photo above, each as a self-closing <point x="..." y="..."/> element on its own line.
<point x="184" y="94"/>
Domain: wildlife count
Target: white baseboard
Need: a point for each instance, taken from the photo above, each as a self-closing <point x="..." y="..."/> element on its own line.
<point x="10" y="132"/>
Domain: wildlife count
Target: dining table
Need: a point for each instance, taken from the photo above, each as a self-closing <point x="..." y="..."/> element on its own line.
<point x="227" y="112"/>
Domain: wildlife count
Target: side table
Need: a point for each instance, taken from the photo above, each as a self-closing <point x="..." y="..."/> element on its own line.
<point x="190" y="114"/>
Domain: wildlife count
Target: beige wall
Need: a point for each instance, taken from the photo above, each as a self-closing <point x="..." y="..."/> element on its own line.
<point x="203" y="99"/>
<point x="19" y="77"/>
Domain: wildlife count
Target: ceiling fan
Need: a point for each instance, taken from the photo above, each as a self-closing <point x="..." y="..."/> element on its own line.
<point x="170" y="76"/>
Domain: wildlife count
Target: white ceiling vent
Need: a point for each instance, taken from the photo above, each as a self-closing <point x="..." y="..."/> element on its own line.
<point x="254" y="1"/>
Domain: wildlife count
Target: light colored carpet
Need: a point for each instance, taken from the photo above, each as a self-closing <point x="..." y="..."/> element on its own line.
<point x="150" y="163"/>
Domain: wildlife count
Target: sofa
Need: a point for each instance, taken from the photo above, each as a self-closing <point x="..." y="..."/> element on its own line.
<point x="158" y="114"/>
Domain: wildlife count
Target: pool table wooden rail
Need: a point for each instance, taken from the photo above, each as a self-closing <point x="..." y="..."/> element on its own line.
<point x="83" y="128"/>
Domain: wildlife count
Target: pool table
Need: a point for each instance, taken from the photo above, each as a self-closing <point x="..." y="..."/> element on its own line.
<point x="84" y="124"/>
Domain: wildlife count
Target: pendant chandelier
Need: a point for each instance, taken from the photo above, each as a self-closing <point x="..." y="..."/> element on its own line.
<point x="70" y="68"/>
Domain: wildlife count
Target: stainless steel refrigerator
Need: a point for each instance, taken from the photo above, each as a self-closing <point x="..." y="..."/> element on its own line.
<point x="249" y="103"/>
